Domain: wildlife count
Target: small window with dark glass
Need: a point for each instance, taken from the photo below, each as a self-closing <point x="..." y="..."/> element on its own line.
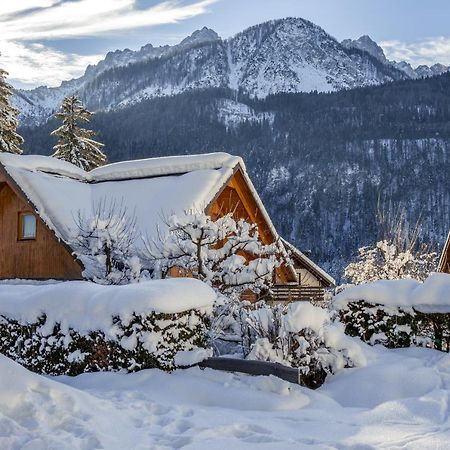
<point x="27" y="226"/>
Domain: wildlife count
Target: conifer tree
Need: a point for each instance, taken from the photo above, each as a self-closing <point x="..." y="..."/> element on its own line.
<point x="75" y="144"/>
<point x="10" y="140"/>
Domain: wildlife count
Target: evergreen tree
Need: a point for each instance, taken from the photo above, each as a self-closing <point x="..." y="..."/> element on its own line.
<point x="75" y="144"/>
<point x="10" y="141"/>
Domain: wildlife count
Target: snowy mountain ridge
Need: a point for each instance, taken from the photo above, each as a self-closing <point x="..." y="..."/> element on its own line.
<point x="367" y="44"/>
<point x="286" y="55"/>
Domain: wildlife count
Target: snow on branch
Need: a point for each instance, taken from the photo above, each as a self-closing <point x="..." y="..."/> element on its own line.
<point x="76" y="144"/>
<point x="225" y="253"/>
<point x="10" y="140"/>
<point x="105" y="243"/>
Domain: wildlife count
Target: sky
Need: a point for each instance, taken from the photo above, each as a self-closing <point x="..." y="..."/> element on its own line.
<point x="43" y="42"/>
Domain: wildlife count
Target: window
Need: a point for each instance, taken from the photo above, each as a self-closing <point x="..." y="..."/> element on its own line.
<point x="27" y="226"/>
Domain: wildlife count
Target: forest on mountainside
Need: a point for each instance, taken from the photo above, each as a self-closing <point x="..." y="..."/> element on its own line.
<point x="320" y="161"/>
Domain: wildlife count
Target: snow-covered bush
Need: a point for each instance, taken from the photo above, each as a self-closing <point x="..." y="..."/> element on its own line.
<point x="391" y="326"/>
<point x="398" y="252"/>
<point x="304" y="336"/>
<point x="298" y="335"/>
<point x="386" y="261"/>
<point x="225" y="253"/>
<point x="75" y="327"/>
<point x="398" y="313"/>
<point x="105" y="244"/>
<point x="146" y="341"/>
<point x="229" y="328"/>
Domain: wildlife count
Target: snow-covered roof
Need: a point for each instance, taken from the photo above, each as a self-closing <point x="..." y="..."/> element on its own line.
<point x="151" y="189"/>
<point x="313" y="267"/>
<point x="445" y="252"/>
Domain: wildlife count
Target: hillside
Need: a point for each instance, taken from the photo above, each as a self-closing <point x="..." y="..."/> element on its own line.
<point x="320" y="161"/>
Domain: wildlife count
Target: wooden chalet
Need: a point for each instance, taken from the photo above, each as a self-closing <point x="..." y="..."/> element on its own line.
<point x="444" y="263"/>
<point x="40" y="198"/>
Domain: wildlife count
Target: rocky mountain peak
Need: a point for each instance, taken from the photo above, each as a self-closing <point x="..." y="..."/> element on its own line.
<point x="367" y="44"/>
<point x="200" y="36"/>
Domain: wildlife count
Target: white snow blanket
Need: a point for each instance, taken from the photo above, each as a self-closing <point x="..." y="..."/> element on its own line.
<point x="433" y="295"/>
<point x="399" y="400"/>
<point x="86" y="306"/>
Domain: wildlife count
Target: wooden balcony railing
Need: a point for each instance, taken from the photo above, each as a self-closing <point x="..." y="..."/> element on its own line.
<point x="291" y="293"/>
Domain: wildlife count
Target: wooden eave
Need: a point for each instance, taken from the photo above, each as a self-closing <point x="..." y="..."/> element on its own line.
<point x="445" y="257"/>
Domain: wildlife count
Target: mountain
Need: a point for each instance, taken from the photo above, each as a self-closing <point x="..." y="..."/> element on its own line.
<point x="322" y="162"/>
<point x="365" y="43"/>
<point x="288" y="55"/>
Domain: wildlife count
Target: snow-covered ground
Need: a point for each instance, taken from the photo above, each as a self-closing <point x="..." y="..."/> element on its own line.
<point x="399" y="400"/>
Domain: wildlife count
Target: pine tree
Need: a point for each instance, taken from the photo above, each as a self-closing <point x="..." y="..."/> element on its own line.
<point x="10" y="141"/>
<point x="75" y="144"/>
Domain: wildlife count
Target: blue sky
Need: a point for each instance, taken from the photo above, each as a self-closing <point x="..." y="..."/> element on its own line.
<point x="47" y="41"/>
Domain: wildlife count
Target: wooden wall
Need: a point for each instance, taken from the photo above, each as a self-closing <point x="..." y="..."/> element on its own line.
<point x="42" y="258"/>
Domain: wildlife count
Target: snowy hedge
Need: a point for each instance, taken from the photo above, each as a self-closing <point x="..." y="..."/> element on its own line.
<point x="75" y="327"/>
<point x="398" y="313"/>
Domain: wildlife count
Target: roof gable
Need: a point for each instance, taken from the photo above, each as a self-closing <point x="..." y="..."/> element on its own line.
<point x="326" y="279"/>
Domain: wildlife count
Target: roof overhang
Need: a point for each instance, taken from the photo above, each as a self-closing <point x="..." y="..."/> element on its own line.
<point x="445" y="254"/>
<point x="325" y="278"/>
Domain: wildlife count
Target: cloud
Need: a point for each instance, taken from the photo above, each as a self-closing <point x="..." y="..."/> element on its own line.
<point x="14" y="8"/>
<point x="35" y="64"/>
<point x="25" y="23"/>
<point x="429" y="51"/>
<point x="93" y="17"/>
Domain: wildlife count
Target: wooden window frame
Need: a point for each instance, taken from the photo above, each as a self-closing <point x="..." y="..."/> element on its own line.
<point x="20" y="236"/>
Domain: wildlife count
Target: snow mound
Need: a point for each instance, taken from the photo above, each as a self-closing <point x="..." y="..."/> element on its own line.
<point x="433" y="295"/>
<point x="87" y="306"/>
<point x="40" y="413"/>
<point x="191" y="357"/>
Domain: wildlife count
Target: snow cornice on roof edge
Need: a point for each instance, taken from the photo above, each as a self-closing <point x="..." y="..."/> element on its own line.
<point x="125" y="170"/>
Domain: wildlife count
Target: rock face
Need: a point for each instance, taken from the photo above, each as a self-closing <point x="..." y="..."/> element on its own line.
<point x="288" y="55"/>
<point x="368" y="45"/>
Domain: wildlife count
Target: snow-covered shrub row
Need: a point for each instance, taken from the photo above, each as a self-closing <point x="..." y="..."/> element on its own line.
<point x="378" y="324"/>
<point x="398" y="313"/>
<point x="75" y="327"/>
<point x="299" y="335"/>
